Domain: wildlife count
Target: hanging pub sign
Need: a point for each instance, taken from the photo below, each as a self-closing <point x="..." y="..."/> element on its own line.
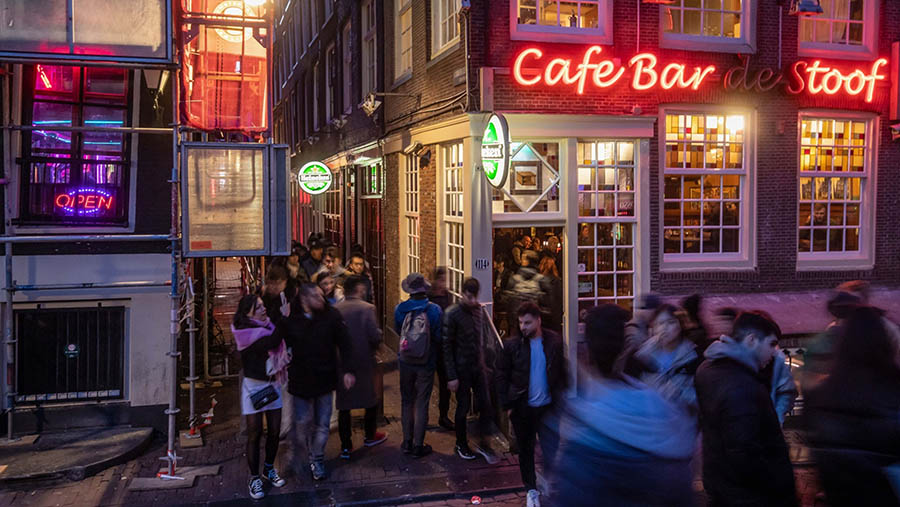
<point x="315" y="178"/>
<point x="495" y="150"/>
<point x="645" y="72"/>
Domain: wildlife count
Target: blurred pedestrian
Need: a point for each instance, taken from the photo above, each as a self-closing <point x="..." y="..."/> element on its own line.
<point x="275" y="294"/>
<point x="330" y="289"/>
<point x="365" y="337"/>
<point x="531" y="378"/>
<point x="670" y="358"/>
<point x="313" y="263"/>
<point x="622" y="443"/>
<point x="694" y="327"/>
<point x="819" y="354"/>
<point x="418" y="323"/>
<point x="853" y="416"/>
<point x="440" y="296"/>
<point x="745" y="457"/>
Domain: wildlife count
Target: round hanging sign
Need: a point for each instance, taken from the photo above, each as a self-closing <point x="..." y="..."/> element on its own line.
<point x="314" y="178"/>
<point x="495" y="150"/>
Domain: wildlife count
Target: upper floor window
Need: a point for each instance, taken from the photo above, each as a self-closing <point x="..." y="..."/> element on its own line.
<point x="346" y="75"/>
<point x="846" y="28"/>
<point x="329" y="82"/>
<point x="403" y="39"/>
<point x="444" y="28"/>
<point x="709" y="25"/>
<point x="562" y="21"/>
<point x="370" y="64"/>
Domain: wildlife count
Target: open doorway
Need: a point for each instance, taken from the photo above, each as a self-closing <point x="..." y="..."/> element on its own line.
<point x="528" y="264"/>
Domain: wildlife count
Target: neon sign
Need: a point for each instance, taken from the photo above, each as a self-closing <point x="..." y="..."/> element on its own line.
<point x="495" y="150"/>
<point x="84" y="201"/>
<point x="314" y="178"/>
<point x="606" y="73"/>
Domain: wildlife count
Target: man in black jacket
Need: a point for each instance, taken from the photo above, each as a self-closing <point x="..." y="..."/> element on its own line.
<point x="464" y="356"/>
<point x="745" y="457"/>
<point x="315" y="334"/>
<point x="531" y="377"/>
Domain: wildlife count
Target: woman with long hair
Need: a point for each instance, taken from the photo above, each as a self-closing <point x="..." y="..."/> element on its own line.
<point x="264" y="360"/>
<point x="669" y="358"/>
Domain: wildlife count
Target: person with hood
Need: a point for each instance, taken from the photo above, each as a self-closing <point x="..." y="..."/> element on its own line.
<point x="819" y="354"/>
<point x="853" y="416"/>
<point x="316" y="334"/>
<point x="622" y="443"/>
<point x="670" y="360"/>
<point x="418" y="323"/>
<point x="263" y="358"/>
<point x="745" y="457"/>
<point x="531" y="377"/>
<point x="440" y="296"/>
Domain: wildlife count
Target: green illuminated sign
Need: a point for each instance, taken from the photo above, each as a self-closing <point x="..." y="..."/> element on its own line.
<point x="314" y="178"/>
<point x="495" y="150"/>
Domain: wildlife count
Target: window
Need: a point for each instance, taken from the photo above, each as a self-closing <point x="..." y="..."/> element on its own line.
<point x="834" y="216"/>
<point x="846" y="28"/>
<point x="76" y="177"/>
<point x="370" y="71"/>
<point x="606" y="224"/>
<point x="706" y="206"/>
<point x="316" y="104"/>
<point x="444" y="27"/>
<point x="309" y="106"/>
<point x="403" y="39"/>
<point x="305" y="25"/>
<point x="329" y="82"/>
<point x="411" y="212"/>
<point x="709" y="25"/>
<point x="299" y="30"/>
<point x="299" y="111"/>
<point x="562" y="21"/>
<point x="328" y="9"/>
<point x="346" y="75"/>
<point x="291" y="42"/>
<point x="331" y="210"/>
<point x="289" y="119"/>
<point x="314" y="22"/>
<point x="453" y="216"/>
<point x="533" y="182"/>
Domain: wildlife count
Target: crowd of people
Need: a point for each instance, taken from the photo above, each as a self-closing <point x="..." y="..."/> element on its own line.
<point x="661" y="388"/>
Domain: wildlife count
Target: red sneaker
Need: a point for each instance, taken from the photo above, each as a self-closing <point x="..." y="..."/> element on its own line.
<point x="376" y="439"/>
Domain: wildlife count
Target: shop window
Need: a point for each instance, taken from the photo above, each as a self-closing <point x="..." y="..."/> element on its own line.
<point x="452" y="160"/>
<point x="533" y="182"/>
<point x="444" y="27"/>
<point x="709" y="25"/>
<point x="411" y="212"/>
<point x="704" y="185"/>
<point x="833" y="215"/>
<point x="369" y="54"/>
<point x="329" y="203"/>
<point x="606" y="224"/>
<point x="76" y="177"/>
<point x="847" y="28"/>
<point x="562" y="21"/>
<point x="403" y="39"/>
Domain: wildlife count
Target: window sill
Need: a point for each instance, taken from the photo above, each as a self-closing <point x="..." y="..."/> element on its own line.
<point x="706" y="44"/>
<point x="442" y="53"/>
<point x="564" y="36"/>
<point x="402" y="79"/>
<point x="832" y="262"/>
<point x="72" y="229"/>
<point x="705" y="263"/>
<point x="837" y="52"/>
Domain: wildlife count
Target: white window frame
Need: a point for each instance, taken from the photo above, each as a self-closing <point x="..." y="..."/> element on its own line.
<point x="440" y="41"/>
<point x="452" y="188"/>
<point x="868" y="50"/>
<point x="307" y="32"/>
<point x="329" y="82"/>
<point x="346" y="69"/>
<point x="402" y="40"/>
<point x="411" y="218"/>
<point x="864" y="259"/>
<point x="316" y="98"/>
<point x="313" y="21"/>
<point x="369" y="48"/>
<point x="745" y="258"/>
<point x="603" y="34"/>
<point x="746" y="43"/>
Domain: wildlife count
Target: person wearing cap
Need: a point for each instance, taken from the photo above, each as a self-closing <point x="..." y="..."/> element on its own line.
<point x="417" y="380"/>
<point x="313" y="263"/>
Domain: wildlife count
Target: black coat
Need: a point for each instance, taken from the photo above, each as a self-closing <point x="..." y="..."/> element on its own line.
<point x="514" y="369"/>
<point x="315" y="343"/>
<point x="462" y="341"/>
<point x="745" y="457"/>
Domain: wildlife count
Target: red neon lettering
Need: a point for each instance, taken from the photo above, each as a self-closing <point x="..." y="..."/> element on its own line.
<point x="517" y="67"/>
<point x="80" y="200"/>
<point x="90" y="202"/>
<point x="765" y="76"/>
<point x="665" y="80"/>
<point x="549" y="77"/>
<point x="640" y="69"/>
<point x="63" y="200"/>
<point x="797" y="85"/>
<point x="105" y="202"/>
<point x="604" y="69"/>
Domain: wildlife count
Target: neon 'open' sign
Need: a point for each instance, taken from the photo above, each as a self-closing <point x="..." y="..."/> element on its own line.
<point x="84" y="201"/>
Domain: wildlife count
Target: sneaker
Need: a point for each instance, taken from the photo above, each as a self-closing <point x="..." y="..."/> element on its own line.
<point x="464" y="452"/>
<point x="256" y="488"/>
<point x="345" y="453"/>
<point x="376" y="439"/>
<point x="446" y="423"/>
<point x="318" y="470"/>
<point x="273" y="477"/>
<point x="406" y="447"/>
<point x="421" y="450"/>
<point x="485" y="449"/>
<point x="533" y="499"/>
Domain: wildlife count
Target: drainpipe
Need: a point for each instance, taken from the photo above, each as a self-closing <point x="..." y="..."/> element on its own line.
<point x="8" y="362"/>
<point x="464" y="14"/>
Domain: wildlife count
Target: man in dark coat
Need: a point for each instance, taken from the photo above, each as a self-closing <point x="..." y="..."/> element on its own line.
<point x="315" y="334"/>
<point x="531" y="377"/>
<point x="745" y="457"/>
<point x="440" y="296"/>
<point x="365" y="336"/>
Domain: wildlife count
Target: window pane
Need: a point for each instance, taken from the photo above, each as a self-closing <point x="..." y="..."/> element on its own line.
<point x="527" y="12"/>
<point x="672" y="241"/>
<point x="548" y="13"/>
<point x="590" y="16"/>
<point x="672" y="213"/>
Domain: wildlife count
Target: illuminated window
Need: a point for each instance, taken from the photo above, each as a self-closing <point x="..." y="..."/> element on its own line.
<point x="403" y="39"/>
<point x="845" y="26"/>
<point x="444" y="27"/>
<point x="709" y="25"/>
<point x="561" y="21"/>
<point x="606" y="224"/>
<point x="834" y="175"/>
<point x="704" y="184"/>
<point x="76" y="177"/>
<point x="370" y="71"/>
<point x="454" y="228"/>
<point x="533" y="181"/>
<point x="411" y="212"/>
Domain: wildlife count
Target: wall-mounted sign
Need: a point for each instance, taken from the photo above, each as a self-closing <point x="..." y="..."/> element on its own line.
<point x="71" y="350"/>
<point x="646" y="72"/>
<point x="314" y="178"/>
<point x="83" y="201"/>
<point x="495" y="150"/>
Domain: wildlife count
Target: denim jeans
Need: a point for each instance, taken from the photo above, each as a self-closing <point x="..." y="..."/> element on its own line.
<point x="312" y="417"/>
<point x="416" y="383"/>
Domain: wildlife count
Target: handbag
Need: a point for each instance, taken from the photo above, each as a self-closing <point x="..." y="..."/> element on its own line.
<point x="263" y="397"/>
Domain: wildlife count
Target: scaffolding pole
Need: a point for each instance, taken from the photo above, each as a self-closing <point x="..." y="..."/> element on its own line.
<point x="192" y="336"/>
<point x="9" y="363"/>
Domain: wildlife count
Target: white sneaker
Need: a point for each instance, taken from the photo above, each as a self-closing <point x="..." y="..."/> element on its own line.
<point x="533" y="499"/>
<point x="256" y="488"/>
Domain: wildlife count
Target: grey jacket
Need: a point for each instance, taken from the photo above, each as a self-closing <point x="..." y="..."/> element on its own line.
<point x="365" y="337"/>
